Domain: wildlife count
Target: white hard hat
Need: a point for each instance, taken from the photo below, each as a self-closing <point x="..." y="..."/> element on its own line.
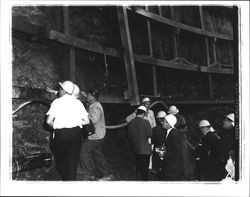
<point x="76" y="91"/>
<point x="173" y="109"/>
<point x="68" y="86"/>
<point x="204" y="123"/>
<point x="146" y="99"/>
<point x="143" y="108"/>
<point x="171" y="119"/>
<point x="161" y="114"/>
<point x="231" y="117"/>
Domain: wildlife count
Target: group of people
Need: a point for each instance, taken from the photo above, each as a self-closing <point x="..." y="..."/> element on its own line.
<point x="163" y="138"/>
<point x="159" y="143"/>
<point x="215" y="155"/>
<point x="77" y="140"/>
<point x="165" y="142"/>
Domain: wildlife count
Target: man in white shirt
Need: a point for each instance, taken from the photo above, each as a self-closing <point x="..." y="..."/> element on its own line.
<point x="66" y="116"/>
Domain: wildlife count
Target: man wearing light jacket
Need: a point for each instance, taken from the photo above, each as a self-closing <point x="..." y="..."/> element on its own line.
<point x="92" y="156"/>
<point x="149" y="114"/>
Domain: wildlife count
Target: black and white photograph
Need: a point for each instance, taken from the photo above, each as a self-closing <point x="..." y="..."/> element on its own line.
<point x="125" y="98"/>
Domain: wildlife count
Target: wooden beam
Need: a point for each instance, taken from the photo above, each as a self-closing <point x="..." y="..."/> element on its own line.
<point x="66" y="20"/>
<point x="155" y="88"/>
<point x="174" y="34"/>
<point x="189" y="101"/>
<point x="182" y="26"/>
<point x="82" y="44"/>
<point x="128" y="55"/>
<point x="71" y="59"/>
<point x="164" y="63"/>
<point x="210" y="83"/>
<point x="160" y="10"/>
<point x="72" y="64"/>
<point x="216" y="70"/>
<point x="214" y="50"/>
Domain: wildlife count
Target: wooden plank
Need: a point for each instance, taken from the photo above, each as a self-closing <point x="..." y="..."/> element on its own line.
<point x="128" y="56"/>
<point x="210" y="83"/>
<point x="82" y="44"/>
<point x="164" y="63"/>
<point x="160" y="10"/>
<point x="58" y="18"/>
<point x="182" y="26"/>
<point x="216" y="70"/>
<point x="174" y="34"/>
<point x="66" y="20"/>
<point x="72" y="63"/>
<point x="151" y="54"/>
<point x="189" y="101"/>
<point x="214" y="50"/>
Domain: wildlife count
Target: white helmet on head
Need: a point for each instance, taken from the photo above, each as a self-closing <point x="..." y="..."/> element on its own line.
<point x="205" y="123"/>
<point x="68" y="86"/>
<point x="171" y="119"/>
<point x="231" y="117"/>
<point x="76" y="91"/>
<point x="161" y="114"/>
<point x="173" y="109"/>
<point x="143" y="108"/>
<point x="146" y="99"/>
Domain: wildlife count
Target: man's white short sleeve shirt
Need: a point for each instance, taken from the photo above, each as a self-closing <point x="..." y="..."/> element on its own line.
<point x="68" y="112"/>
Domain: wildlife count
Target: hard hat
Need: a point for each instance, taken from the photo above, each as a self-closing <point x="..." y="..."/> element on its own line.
<point x="143" y="108"/>
<point x="76" y="91"/>
<point x="161" y="114"/>
<point x="173" y="109"/>
<point x="146" y="99"/>
<point x="230" y="116"/>
<point x="204" y="123"/>
<point x="68" y="86"/>
<point x="171" y="119"/>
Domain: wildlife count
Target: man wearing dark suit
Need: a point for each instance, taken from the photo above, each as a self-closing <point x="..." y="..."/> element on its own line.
<point x="139" y="133"/>
<point x="158" y="138"/>
<point x="172" y="162"/>
<point x="209" y="153"/>
<point x="227" y="142"/>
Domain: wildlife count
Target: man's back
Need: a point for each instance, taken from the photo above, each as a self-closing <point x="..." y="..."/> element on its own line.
<point x="139" y="130"/>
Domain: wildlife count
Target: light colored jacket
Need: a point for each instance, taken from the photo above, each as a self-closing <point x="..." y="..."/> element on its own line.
<point x="96" y="115"/>
<point x="149" y="116"/>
